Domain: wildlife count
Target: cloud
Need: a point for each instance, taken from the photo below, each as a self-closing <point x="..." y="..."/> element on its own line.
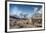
<point x="40" y="11"/>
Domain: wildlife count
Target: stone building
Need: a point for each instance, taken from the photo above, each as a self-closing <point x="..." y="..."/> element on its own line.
<point x="37" y="20"/>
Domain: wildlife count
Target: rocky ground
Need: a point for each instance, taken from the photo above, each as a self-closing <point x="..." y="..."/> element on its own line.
<point x="21" y="23"/>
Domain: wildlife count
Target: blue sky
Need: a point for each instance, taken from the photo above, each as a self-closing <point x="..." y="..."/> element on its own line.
<point x="16" y="9"/>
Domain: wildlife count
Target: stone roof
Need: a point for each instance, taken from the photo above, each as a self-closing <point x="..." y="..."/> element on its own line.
<point x="37" y="16"/>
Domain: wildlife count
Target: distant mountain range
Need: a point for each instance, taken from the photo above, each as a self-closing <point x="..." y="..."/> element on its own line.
<point x="13" y="17"/>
